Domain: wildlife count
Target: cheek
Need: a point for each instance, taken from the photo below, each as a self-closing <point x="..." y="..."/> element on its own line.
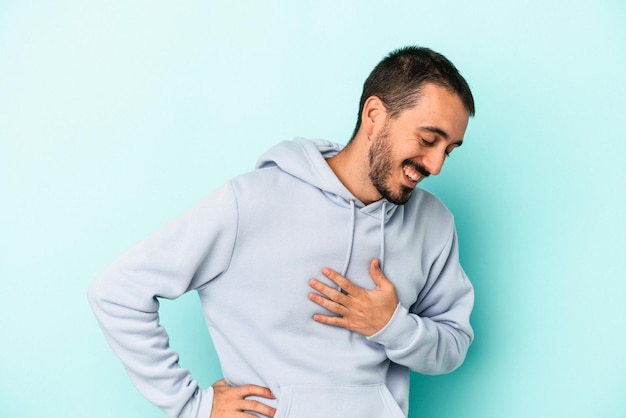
<point x="409" y="151"/>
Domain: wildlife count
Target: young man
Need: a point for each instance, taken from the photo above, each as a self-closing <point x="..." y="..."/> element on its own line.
<point x="324" y="275"/>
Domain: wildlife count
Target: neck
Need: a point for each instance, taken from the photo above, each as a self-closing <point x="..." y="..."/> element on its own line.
<point x="351" y="167"/>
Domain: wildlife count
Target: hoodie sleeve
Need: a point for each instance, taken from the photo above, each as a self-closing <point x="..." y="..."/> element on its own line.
<point x="432" y="337"/>
<point x="181" y="256"/>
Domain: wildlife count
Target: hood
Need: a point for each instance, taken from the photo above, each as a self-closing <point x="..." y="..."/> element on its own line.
<point x="306" y="160"/>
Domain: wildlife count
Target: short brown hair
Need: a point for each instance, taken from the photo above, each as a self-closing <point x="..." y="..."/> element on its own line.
<point x="398" y="80"/>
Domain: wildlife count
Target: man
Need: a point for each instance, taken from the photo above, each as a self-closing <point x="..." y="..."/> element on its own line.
<point x="324" y="275"/>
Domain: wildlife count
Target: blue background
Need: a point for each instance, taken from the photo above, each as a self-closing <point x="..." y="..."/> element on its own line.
<point x="116" y="116"/>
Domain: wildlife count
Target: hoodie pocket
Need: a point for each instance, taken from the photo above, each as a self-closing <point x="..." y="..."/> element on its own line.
<point x="337" y="402"/>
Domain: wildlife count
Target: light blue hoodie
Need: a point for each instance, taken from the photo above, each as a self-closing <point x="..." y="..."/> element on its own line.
<point x="249" y="249"/>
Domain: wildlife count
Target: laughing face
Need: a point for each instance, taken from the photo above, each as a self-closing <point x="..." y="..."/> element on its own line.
<point x="415" y="144"/>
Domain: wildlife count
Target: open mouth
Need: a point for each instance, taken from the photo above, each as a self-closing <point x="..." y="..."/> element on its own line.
<point x="412" y="174"/>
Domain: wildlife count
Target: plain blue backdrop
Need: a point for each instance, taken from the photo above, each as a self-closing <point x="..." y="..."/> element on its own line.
<point x="116" y="116"/>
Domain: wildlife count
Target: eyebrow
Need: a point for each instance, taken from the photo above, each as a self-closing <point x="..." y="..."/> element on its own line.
<point x="440" y="132"/>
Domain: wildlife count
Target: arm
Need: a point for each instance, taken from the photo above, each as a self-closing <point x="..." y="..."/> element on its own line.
<point x="183" y="255"/>
<point x="432" y="337"/>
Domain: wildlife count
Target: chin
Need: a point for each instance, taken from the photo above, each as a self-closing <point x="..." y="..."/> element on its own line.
<point x="399" y="198"/>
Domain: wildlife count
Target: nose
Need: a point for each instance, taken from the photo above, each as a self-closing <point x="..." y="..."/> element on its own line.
<point x="434" y="161"/>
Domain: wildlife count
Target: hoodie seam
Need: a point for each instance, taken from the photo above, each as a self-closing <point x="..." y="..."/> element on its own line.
<point x="441" y="250"/>
<point x="429" y="279"/>
<point x="237" y="228"/>
<point x="320" y="174"/>
<point x="450" y="238"/>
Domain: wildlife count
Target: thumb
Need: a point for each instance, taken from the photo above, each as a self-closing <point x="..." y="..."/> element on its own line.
<point x="221" y="382"/>
<point x="377" y="274"/>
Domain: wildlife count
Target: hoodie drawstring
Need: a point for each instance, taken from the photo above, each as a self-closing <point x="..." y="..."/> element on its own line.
<point x="350" y="238"/>
<point x="381" y="258"/>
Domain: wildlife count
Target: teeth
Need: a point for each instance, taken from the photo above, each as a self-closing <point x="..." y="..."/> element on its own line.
<point x="411" y="173"/>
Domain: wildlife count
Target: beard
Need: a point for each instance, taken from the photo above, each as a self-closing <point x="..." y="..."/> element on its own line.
<point x="381" y="168"/>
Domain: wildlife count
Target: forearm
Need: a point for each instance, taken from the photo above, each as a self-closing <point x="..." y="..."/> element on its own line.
<point x="143" y="347"/>
<point x="433" y="336"/>
<point x="422" y="344"/>
<point x="181" y="256"/>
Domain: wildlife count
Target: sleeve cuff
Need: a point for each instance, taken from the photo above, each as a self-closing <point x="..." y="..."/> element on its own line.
<point x="206" y="403"/>
<point x="398" y="332"/>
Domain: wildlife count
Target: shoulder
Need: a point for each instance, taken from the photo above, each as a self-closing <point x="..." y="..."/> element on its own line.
<point x="426" y="204"/>
<point x="268" y="187"/>
<point x="425" y="214"/>
<point x="260" y="180"/>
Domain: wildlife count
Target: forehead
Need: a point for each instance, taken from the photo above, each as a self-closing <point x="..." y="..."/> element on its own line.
<point x="438" y="110"/>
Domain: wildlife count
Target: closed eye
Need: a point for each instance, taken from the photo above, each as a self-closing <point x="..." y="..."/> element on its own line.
<point x="449" y="151"/>
<point x="427" y="143"/>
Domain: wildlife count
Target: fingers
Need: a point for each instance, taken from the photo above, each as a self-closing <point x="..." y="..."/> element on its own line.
<point x="327" y="303"/>
<point x="339" y="300"/>
<point x="329" y="292"/>
<point x="339" y="280"/>
<point x="231" y="401"/>
<point x="330" y="306"/>
<point x="219" y="383"/>
<point x="334" y="301"/>
<point x="256" y="406"/>
<point x="362" y="310"/>
<point x="244" y="390"/>
<point x="377" y="274"/>
<point x="346" y="286"/>
<point x="336" y="321"/>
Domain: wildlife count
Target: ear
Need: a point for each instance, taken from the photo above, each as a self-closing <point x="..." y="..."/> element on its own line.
<point x="374" y="115"/>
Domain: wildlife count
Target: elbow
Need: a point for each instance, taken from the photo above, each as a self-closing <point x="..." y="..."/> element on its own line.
<point x="453" y="362"/>
<point x="97" y="294"/>
<point x="450" y="353"/>
<point x="102" y="296"/>
<point x="94" y="294"/>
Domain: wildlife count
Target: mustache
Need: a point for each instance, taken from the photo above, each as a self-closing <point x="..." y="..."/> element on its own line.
<point x="418" y="167"/>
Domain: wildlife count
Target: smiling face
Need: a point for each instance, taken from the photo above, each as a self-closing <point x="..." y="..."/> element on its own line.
<point x="406" y="149"/>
